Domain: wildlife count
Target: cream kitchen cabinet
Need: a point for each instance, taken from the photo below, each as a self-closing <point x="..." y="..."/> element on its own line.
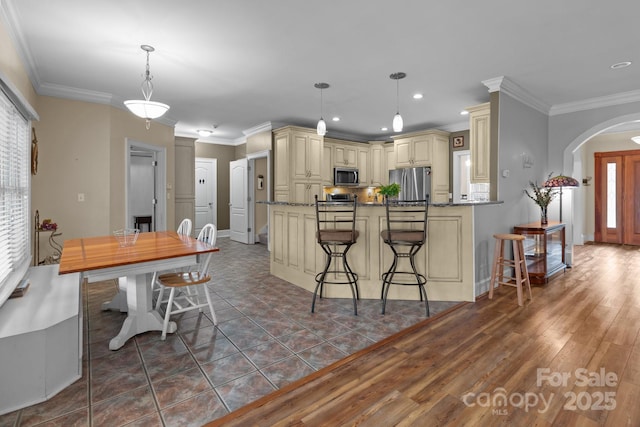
<point x="298" y="168"/>
<point x="480" y="144"/>
<point x="327" y="164"/>
<point x="363" y="165"/>
<point x="345" y="156"/>
<point x="305" y="191"/>
<point x="390" y="161"/>
<point x="427" y="148"/>
<point x="378" y="170"/>
<point x="413" y="151"/>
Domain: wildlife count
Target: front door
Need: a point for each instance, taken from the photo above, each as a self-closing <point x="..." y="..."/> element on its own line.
<point x="239" y="201"/>
<point x="206" y="185"/>
<point x="617" y="197"/>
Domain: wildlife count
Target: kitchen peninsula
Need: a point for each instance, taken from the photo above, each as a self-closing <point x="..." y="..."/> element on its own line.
<point x="446" y="260"/>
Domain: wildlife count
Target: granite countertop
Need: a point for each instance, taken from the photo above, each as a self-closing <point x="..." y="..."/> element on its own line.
<point x="365" y="204"/>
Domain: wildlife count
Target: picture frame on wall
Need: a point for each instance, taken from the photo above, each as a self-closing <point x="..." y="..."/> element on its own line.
<point x="458" y="141"/>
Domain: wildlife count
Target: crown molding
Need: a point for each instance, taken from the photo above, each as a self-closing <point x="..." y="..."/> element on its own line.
<point x="599" y="102"/>
<point x="76" y="94"/>
<point x="12" y="23"/>
<point x="264" y="127"/>
<point x="503" y="84"/>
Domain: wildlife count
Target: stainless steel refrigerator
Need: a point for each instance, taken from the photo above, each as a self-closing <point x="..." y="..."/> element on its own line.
<point x="414" y="183"/>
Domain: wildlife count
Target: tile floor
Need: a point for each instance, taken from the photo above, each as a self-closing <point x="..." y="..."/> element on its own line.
<point x="266" y="338"/>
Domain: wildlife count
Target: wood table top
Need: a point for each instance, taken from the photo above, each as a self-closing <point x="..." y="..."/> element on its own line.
<point x="94" y="253"/>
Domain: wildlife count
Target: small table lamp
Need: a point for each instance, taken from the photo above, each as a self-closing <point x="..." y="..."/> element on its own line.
<point x="561" y="181"/>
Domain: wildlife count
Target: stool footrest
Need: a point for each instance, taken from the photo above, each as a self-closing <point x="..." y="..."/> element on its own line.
<point x="422" y="280"/>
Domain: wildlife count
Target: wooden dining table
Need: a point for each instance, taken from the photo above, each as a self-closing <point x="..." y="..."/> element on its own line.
<point x="102" y="258"/>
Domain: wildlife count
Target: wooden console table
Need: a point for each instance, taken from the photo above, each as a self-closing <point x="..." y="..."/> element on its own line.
<point x="544" y="249"/>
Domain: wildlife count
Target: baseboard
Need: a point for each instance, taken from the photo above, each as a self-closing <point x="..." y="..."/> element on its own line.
<point x="224" y="233"/>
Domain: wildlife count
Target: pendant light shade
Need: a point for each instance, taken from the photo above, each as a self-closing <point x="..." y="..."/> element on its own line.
<point x="397" y="123"/>
<point x="144" y="108"/>
<point x="321" y="129"/>
<point x="397" y="119"/>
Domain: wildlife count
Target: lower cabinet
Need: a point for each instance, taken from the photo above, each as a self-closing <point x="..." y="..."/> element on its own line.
<point x="446" y="260"/>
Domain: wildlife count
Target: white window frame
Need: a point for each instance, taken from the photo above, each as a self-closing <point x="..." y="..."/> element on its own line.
<point x="15" y="187"/>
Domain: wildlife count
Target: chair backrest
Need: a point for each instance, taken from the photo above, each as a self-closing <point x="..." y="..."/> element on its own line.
<point x="208" y="234"/>
<point x="185" y="227"/>
<point x="336" y="215"/>
<point x="407" y="215"/>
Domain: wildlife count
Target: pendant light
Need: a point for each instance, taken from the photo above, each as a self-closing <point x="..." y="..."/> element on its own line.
<point x="322" y="126"/>
<point x="397" y="119"/>
<point x="144" y="108"/>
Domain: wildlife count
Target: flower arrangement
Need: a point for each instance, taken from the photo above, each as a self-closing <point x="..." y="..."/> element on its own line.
<point x="48" y="225"/>
<point x="542" y="196"/>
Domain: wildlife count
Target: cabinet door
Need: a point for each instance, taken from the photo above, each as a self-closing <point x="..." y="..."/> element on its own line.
<point x="363" y="166"/>
<point x="390" y="162"/>
<point x="440" y="170"/>
<point x="377" y="170"/>
<point x="281" y="163"/>
<point x="480" y="146"/>
<point x="314" y="157"/>
<point x="327" y="164"/>
<point x="345" y="155"/>
<point x="404" y="154"/>
<point x="421" y="147"/>
<point x="299" y="157"/>
<point x="313" y="189"/>
<point x="299" y="192"/>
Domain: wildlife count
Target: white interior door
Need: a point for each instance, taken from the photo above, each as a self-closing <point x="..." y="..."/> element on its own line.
<point x="206" y="203"/>
<point x="239" y="191"/>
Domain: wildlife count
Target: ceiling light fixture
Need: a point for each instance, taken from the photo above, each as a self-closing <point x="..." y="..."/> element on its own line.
<point x="336" y="119"/>
<point x="464" y="113"/>
<point x="322" y="126"/>
<point x="636" y="139"/>
<point x="144" y="108"/>
<point x="206" y="132"/>
<point x="417" y="96"/>
<point x="397" y="119"/>
<point x="618" y="65"/>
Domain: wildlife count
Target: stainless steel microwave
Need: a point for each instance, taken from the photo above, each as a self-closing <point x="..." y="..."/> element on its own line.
<point x="345" y="176"/>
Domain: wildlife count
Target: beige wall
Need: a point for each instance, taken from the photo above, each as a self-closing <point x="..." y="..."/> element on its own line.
<point x="12" y="67"/>
<point x="224" y="154"/>
<point x="259" y="142"/>
<point x="82" y="149"/>
<point x="240" y="151"/>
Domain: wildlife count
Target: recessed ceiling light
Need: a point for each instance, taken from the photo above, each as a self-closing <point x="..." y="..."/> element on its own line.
<point x="623" y="64"/>
<point x="206" y="132"/>
<point x="336" y="119"/>
<point x="464" y="112"/>
<point x="636" y="139"/>
<point x="384" y="129"/>
<point x="417" y="96"/>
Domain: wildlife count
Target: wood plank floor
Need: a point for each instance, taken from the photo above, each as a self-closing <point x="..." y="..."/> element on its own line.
<point x="491" y="363"/>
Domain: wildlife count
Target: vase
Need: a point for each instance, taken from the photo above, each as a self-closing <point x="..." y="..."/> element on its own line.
<point x="543" y="215"/>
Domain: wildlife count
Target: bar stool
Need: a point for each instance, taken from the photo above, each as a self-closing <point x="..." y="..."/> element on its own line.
<point x="336" y="233"/>
<point x="519" y="264"/>
<point x="406" y="233"/>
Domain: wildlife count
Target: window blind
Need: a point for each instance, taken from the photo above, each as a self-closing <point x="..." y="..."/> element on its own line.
<point x="14" y="196"/>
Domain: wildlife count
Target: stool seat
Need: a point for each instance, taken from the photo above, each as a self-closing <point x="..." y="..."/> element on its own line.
<point x="518" y="263"/>
<point x="337" y="236"/>
<point x="402" y="236"/>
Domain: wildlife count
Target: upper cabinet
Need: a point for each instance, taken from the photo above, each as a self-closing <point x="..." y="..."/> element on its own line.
<point x="298" y="165"/>
<point x="427" y="148"/>
<point x="413" y="151"/>
<point x="345" y="156"/>
<point x="480" y="144"/>
<point x="378" y="171"/>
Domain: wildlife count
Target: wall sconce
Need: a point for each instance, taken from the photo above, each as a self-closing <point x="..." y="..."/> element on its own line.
<point x="585" y="181"/>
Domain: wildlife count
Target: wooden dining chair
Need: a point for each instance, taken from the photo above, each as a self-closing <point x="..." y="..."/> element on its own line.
<point x="184" y="229"/>
<point x="187" y="282"/>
